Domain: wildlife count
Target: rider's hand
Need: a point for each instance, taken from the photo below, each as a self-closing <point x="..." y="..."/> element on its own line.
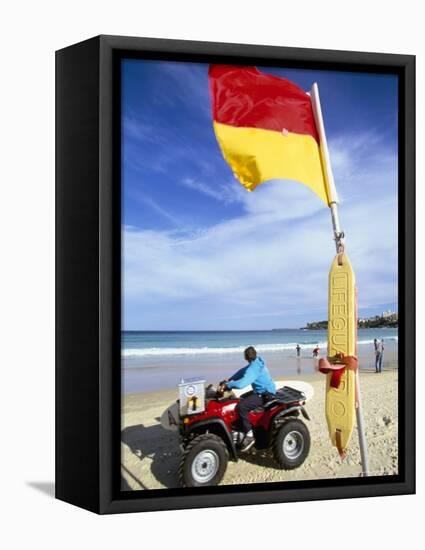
<point x="222" y="387"/>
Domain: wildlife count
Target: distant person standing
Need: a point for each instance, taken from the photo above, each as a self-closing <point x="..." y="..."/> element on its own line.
<point x="381" y="358"/>
<point x="316" y="351"/>
<point x="298" y="348"/>
<point x="379" y="355"/>
<point x="375" y="345"/>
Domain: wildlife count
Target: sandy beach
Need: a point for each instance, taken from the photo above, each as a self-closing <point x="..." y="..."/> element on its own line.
<point x="150" y="455"/>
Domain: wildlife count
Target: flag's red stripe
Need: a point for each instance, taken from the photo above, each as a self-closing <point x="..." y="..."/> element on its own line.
<point x="245" y="97"/>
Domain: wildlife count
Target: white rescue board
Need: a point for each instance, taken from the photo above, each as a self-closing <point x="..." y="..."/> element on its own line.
<point x="299" y="385"/>
<point x="170" y="417"/>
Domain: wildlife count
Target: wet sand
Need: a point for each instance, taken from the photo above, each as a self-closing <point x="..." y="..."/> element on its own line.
<point x="161" y="373"/>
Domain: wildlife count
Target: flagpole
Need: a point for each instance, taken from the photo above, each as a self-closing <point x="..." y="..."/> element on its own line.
<point x="333" y="199"/>
<point x="339" y="244"/>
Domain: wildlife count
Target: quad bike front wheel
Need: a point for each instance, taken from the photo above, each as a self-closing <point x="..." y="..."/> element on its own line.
<point x="204" y="461"/>
<point x="291" y="444"/>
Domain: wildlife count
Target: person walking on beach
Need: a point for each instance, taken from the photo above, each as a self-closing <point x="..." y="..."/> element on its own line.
<point x="257" y="374"/>
<point x="298" y="348"/>
<point x="316" y="351"/>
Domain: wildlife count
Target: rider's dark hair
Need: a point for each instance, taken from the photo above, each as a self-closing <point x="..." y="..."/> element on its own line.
<point x="250" y="354"/>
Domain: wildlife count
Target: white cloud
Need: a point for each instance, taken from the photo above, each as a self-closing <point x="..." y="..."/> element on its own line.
<point x="188" y="80"/>
<point x="157" y="208"/>
<point x="363" y="166"/>
<point x="277" y="199"/>
<point x="270" y="264"/>
<point x="227" y="194"/>
<point x="141" y="130"/>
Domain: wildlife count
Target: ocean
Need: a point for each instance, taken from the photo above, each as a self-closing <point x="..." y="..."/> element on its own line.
<point x="159" y="360"/>
<point x="156" y="344"/>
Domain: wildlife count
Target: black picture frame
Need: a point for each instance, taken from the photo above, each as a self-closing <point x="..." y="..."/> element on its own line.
<point x="88" y="252"/>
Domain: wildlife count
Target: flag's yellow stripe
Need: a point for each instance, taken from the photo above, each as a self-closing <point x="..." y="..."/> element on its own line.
<point x="256" y="155"/>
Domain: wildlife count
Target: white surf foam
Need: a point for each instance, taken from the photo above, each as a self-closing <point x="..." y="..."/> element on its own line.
<point x="143" y="352"/>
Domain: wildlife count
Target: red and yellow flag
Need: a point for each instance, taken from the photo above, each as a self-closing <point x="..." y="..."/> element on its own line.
<point x="265" y="127"/>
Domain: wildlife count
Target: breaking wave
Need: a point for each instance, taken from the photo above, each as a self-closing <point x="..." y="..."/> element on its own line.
<point x="144" y="352"/>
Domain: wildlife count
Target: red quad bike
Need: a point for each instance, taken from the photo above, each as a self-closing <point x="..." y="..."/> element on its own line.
<point x="209" y="431"/>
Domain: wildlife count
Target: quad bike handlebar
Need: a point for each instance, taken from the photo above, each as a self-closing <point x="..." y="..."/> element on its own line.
<point x="222" y="386"/>
<point x="217" y="391"/>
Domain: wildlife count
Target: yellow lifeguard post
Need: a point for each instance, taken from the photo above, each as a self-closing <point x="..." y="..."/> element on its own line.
<point x="343" y="397"/>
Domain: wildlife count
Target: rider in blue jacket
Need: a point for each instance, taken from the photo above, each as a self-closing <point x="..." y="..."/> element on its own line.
<point x="255" y="373"/>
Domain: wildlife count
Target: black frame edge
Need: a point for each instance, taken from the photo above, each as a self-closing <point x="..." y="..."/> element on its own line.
<point x="407" y="266"/>
<point x="77" y="282"/>
<point x="179" y="47"/>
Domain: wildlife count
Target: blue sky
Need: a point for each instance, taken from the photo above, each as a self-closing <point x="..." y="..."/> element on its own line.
<point x="201" y="253"/>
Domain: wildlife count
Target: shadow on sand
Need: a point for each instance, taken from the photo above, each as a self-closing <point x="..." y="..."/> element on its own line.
<point x="158" y="445"/>
<point x="263" y="459"/>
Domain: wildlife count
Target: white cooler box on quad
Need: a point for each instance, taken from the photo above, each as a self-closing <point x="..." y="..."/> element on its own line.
<point x="191" y="396"/>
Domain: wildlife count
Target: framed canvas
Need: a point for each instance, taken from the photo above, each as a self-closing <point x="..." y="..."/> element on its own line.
<point x="235" y="274"/>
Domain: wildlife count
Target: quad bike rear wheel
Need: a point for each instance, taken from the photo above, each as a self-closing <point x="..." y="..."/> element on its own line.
<point x="291" y="444"/>
<point x="204" y="461"/>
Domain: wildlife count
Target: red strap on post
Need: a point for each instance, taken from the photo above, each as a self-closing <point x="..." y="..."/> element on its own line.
<point x="336" y="365"/>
